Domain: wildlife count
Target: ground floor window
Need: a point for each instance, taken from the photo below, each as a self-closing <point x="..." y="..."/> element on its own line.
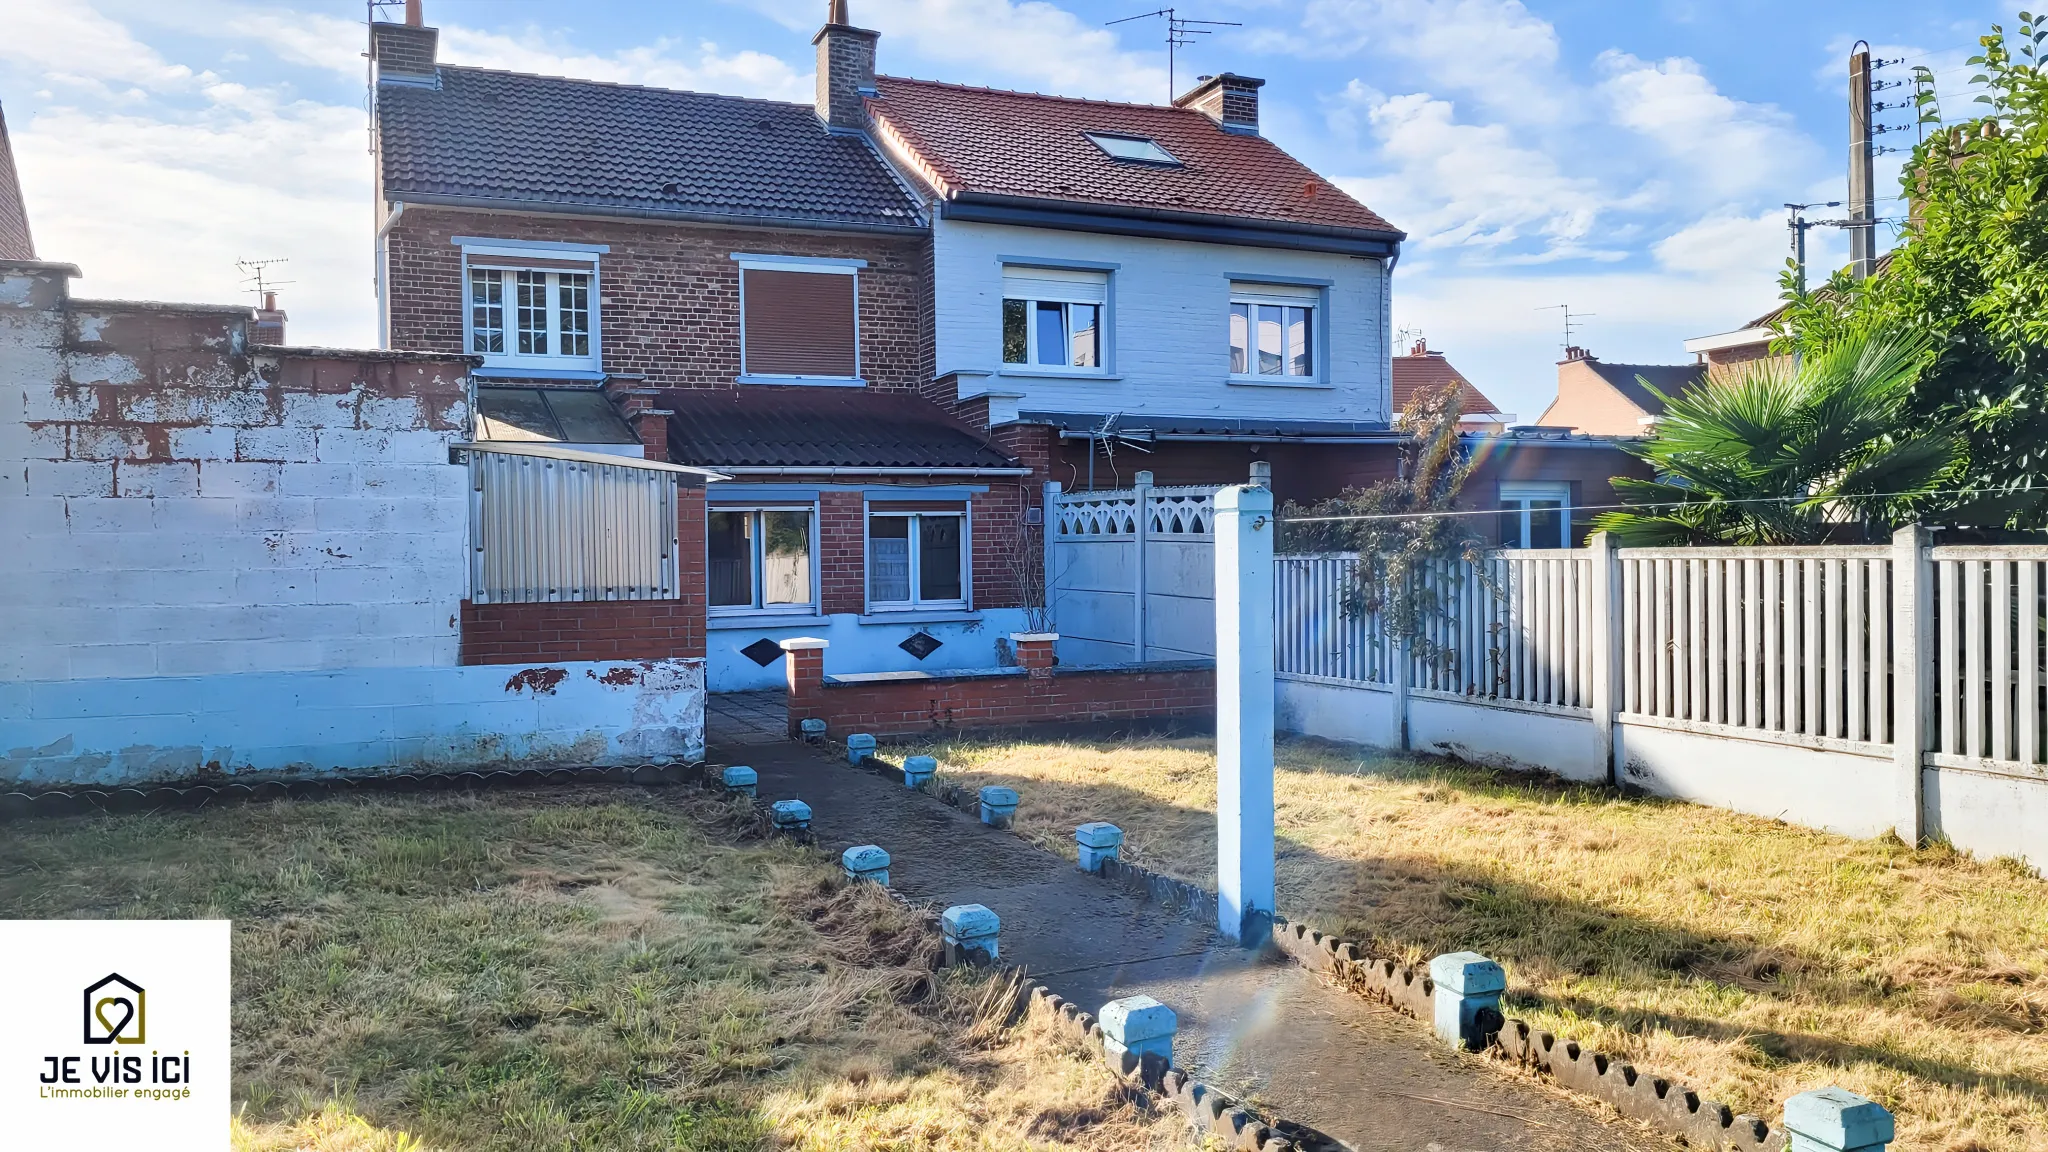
<point x="917" y="557"/>
<point x="760" y="558"/>
<point x="1535" y="515"/>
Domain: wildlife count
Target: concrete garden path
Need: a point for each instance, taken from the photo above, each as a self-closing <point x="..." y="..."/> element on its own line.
<point x="1269" y="1032"/>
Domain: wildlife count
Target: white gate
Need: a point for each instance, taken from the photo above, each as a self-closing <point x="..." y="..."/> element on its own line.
<point x="1130" y="572"/>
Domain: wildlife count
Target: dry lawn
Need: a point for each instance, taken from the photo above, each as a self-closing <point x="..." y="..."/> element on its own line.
<point x="1748" y="957"/>
<point x="604" y="970"/>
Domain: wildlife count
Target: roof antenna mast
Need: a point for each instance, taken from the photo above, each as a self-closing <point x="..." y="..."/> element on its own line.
<point x="1180" y="32"/>
<point x="1572" y="322"/>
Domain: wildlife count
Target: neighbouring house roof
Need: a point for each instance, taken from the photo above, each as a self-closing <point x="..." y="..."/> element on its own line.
<point x="1670" y="379"/>
<point x="793" y="426"/>
<point x="971" y="143"/>
<point x="1427" y="371"/>
<point x="15" y="241"/>
<point x="485" y="137"/>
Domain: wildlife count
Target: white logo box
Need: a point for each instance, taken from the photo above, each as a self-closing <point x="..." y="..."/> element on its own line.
<point x="69" y="1080"/>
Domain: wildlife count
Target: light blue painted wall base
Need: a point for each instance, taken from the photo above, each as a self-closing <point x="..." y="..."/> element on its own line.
<point x="858" y="647"/>
<point x="166" y="728"/>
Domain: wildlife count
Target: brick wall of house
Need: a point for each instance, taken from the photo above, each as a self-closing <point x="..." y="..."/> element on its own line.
<point x="177" y="505"/>
<point x="1038" y="694"/>
<point x="669" y="296"/>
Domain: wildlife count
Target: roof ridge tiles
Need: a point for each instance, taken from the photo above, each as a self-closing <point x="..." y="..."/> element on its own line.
<point x="1043" y="95"/>
<point x="621" y="84"/>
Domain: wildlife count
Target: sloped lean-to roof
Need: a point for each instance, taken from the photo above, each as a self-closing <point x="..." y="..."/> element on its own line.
<point x="15" y="241"/>
<point x="487" y="138"/>
<point x="795" y="427"/>
<point x="984" y="150"/>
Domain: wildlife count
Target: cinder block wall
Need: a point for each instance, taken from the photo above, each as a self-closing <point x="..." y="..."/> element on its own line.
<point x="178" y="503"/>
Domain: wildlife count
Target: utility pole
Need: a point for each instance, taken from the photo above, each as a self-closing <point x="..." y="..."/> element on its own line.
<point x="1862" y="178"/>
<point x="1798" y="224"/>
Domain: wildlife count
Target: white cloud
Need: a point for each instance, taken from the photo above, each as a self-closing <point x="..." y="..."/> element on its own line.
<point x="1469" y="185"/>
<point x="74" y="45"/>
<point x="1495" y="53"/>
<point x="1727" y="148"/>
<point x="665" y="63"/>
<point x="1030" y="44"/>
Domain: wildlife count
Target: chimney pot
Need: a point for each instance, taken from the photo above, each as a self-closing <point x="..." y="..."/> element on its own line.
<point x="1227" y="98"/>
<point x="1574" y="352"/>
<point x="415" y="16"/>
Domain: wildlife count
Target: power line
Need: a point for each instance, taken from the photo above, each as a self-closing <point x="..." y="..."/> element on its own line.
<point x="1460" y="513"/>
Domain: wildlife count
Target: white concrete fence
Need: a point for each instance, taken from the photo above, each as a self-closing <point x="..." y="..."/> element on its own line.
<point x="1130" y="572"/>
<point x="1856" y="689"/>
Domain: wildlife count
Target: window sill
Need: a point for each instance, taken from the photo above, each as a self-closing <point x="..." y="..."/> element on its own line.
<point x="1279" y="381"/>
<point x="1025" y="372"/>
<point x="764" y="620"/>
<point x="811" y="381"/>
<point x="536" y="372"/>
<point x="921" y="616"/>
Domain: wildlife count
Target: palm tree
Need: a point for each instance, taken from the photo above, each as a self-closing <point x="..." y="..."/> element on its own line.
<point x="1784" y="454"/>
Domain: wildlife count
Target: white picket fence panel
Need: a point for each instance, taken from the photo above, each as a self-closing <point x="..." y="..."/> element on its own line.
<point x="1130" y="572"/>
<point x="1988" y="674"/>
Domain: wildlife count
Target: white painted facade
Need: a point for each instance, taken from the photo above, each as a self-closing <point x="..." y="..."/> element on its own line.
<point x="1167" y="351"/>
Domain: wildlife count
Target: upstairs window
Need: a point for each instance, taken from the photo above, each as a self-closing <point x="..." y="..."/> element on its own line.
<point x="536" y="312"/>
<point x="799" y="321"/>
<point x="1273" y="331"/>
<point x="1055" y="319"/>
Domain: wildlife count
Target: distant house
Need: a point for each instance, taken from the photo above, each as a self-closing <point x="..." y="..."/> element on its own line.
<point x="1423" y="371"/>
<point x="1726" y="352"/>
<point x="1605" y="399"/>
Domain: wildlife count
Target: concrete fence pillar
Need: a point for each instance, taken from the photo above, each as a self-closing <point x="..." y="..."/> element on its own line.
<point x="1140" y="565"/>
<point x="866" y="862"/>
<point x="971" y="931"/>
<point x="998" y="805"/>
<point x="1913" y="682"/>
<point x="1139" y="1025"/>
<point x="1098" y="841"/>
<point x="1244" y="534"/>
<point x="804" y="660"/>
<point x="1468" y="988"/>
<point x="740" y="778"/>
<point x="918" y="769"/>
<point x="791" y="815"/>
<point x="859" y="746"/>
<point x="1603" y="633"/>
<point x="1836" y="1120"/>
<point x="1035" y="652"/>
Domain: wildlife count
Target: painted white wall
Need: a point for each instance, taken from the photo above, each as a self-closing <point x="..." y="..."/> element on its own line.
<point x="1169" y="320"/>
<point x="1998" y="810"/>
<point x="859" y="644"/>
<point x="1825" y="788"/>
<point x="308" y="723"/>
<point x="296" y="529"/>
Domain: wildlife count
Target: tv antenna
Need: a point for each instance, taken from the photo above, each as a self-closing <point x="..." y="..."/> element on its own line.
<point x="1572" y="323"/>
<point x="1180" y="32"/>
<point x="257" y="273"/>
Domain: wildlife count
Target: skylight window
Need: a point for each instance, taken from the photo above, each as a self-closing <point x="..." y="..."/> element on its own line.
<point x="1132" y="148"/>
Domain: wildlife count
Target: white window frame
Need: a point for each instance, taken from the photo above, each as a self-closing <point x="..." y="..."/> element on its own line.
<point x="1315" y="298"/>
<point x="1092" y="286"/>
<point x="965" y="602"/>
<point x="768" y="262"/>
<point x="757" y="606"/>
<point x="477" y="253"/>
<point x="1517" y="494"/>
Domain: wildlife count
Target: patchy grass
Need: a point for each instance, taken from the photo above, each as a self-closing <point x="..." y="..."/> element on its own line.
<point x="1746" y="956"/>
<point x="590" y="969"/>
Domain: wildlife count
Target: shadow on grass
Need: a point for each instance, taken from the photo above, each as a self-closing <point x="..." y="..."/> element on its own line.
<point x="1411" y="909"/>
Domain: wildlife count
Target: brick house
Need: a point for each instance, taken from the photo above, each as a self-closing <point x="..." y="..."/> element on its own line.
<point x="1423" y="370"/>
<point x="738" y="284"/>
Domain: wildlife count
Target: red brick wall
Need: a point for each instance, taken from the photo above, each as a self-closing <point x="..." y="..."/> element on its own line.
<point x="669" y="294"/>
<point x="906" y="707"/>
<point x="842" y="552"/>
<point x="594" y="630"/>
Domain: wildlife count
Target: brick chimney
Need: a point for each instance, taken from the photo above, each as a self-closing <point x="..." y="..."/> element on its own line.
<point x="846" y="70"/>
<point x="404" y="53"/>
<point x="1228" y="99"/>
<point x="269" y="325"/>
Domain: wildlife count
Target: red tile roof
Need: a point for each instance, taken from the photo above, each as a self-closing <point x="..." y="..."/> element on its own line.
<point x="980" y="140"/>
<point x="1429" y="370"/>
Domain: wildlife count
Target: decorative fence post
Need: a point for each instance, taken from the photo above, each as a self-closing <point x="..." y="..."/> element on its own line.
<point x="1467" y="998"/>
<point x="1913" y="679"/>
<point x="1836" y="1120"/>
<point x="1244" y="713"/>
<point x="1603" y="632"/>
<point x="1140" y="581"/>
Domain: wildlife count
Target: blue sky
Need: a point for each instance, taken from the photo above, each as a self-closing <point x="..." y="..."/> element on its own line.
<point x="1628" y="159"/>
